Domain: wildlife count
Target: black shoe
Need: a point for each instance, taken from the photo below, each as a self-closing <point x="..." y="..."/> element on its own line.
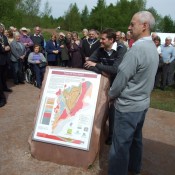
<point x="108" y="141"/>
<point x="21" y="82"/>
<point x="2" y="103"/>
<point x="131" y="173"/>
<point x="8" y="90"/>
<point x="38" y="86"/>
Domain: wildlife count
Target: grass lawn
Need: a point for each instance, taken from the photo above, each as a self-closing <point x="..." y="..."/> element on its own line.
<point x="164" y="100"/>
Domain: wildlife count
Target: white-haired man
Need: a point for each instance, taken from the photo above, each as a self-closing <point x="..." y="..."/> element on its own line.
<point x="168" y="57"/>
<point x="131" y="91"/>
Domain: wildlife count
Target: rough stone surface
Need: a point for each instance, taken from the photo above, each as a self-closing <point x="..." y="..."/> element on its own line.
<point x="16" y="124"/>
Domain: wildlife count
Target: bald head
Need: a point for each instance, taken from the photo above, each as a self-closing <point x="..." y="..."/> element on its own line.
<point x="146" y="17"/>
<point x="141" y="25"/>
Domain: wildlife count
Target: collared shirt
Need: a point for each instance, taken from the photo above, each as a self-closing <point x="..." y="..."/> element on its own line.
<point x="114" y="48"/>
<point x="168" y="53"/>
<point x="36" y="35"/>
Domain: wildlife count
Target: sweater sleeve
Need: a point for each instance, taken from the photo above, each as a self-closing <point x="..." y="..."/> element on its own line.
<point x="43" y="59"/>
<point x="173" y="55"/>
<point x="30" y="58"/>
<point x="14" y="52"/>
<point x="126" y="71"/>
<point x="94" y="58"/>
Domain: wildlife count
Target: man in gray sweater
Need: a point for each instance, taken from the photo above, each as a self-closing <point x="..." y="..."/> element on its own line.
<point x="131" y="91"/>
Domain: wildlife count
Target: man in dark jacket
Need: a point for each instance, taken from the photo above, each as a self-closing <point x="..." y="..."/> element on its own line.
<point x="106" y="60"/>
<point x="37" y="38"/>
<point x="90" y="44"/>
<point x="4" y="49"/>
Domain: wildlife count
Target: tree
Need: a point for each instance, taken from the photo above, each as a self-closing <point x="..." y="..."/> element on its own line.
<point x="47" y="10"/>
<point x="47" y="20"/>
<point x="72" y="18"/>
<point x="30" y="10"/>
<point x="97" y="15"/>
<point x="158" y="19"/>
<point x="9" y="14"/>
<point x="168" y="25"/>
<point x="30" y="7"/>
<point x="85" y="17"/>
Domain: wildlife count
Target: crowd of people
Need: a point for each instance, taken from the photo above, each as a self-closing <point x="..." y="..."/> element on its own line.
<point x="131" y="61"/>
<point x="19" y="48"/>
<point x="165" y="72"/>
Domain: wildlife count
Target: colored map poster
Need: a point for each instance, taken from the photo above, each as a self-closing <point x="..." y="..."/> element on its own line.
<point x="67" y="108"/>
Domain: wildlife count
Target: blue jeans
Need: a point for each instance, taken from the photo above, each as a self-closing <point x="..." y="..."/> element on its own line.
<point x="126" y="149"/>
<point x="39" y="72"/>
<point x="18" y="73"/>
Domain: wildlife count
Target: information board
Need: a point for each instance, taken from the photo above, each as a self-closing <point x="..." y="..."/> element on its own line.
<point x="67" y="108"/>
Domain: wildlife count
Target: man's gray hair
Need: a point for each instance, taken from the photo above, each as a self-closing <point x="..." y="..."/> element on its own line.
<point x="92" y="30"/>
<point x="146" y="16"/>
<point x="16" y="34"/>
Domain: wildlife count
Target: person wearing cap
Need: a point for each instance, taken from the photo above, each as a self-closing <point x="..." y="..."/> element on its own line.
<point x="25" y="39"/>
<point x="168" y="57"/>
<point x="4" y="60"/>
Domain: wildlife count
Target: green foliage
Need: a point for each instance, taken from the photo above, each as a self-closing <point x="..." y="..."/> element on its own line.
<point x="46" y="35"/>
<point x="97" y="15"/>
<point x="85" y="17"/>
<point x="168" y="25"/>
<point x="72" y="19"/>
<point x="47" y="10"/>
<point x="29" y="7"/>
<point x="164" y="100"/>
<point x="158" y="19"/>
<point x="8" y="11"/>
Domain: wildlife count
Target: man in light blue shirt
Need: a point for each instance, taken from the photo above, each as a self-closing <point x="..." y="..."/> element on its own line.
<point x="168" y="57"/>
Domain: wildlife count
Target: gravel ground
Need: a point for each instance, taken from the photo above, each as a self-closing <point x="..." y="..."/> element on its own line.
<point x="16" y="124"/>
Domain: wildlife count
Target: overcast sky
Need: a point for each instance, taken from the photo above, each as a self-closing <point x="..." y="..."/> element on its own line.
<point x="60" y="6"/>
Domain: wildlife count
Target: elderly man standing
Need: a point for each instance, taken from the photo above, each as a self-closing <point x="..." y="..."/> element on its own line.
<point x="90" y="44"/>
<point x="38" y="38"/>
<point x="168" y="57"/>
<point x="131" y="91"/>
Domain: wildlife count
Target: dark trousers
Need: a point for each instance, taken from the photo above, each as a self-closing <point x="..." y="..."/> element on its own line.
<point x="126" y="149"/>
<point x="111" y="120"/>
<point x="158" y="78"/>
<point x="3" y="85"/>
<point x="52" y="63"/>
<point x="165" y="70"/>
<point x="39" y="72"/>
<point x="171" y="73"/>
<point x="18" y="73"/>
